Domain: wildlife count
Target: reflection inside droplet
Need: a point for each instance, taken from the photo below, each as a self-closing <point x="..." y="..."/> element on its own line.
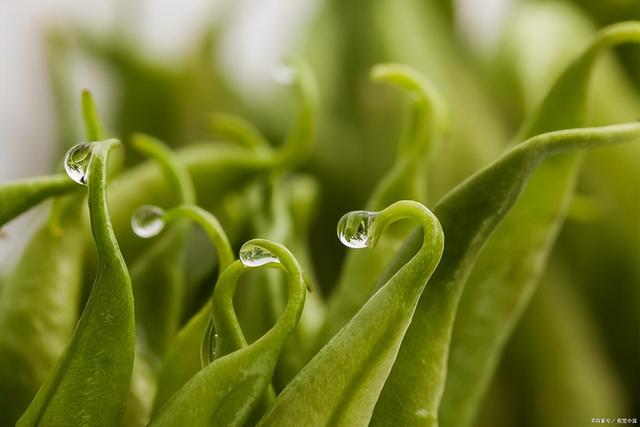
<point x="76" y="162"/>
<point x="147" y="221"/>
<point x="254" y="256"/>
<point x="353" y="228"/>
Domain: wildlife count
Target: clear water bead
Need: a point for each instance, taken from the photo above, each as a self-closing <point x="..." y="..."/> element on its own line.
<point x="254" y="256"/>
<point x="147" y="221"/>
<point x="354" y="227"/>
<point x="76" y="162"/>
<point x="208" y="345"/>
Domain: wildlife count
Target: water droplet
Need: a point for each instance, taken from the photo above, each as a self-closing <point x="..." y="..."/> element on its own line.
<point x="254" y="256"/>
<point x="76" y="162"/>
<point x="353" y="228"/>
<point x="208" y="346"/>
<point x="147" y="221"/>
<point x="283" y="74"/>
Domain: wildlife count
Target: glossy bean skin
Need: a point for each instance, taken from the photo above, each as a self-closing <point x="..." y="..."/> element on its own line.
<point x="158" y="275"/>
<point x="216" y="169"/>
<point x="227" y="390"/>
<point x="39" y="305"/>
<point x="600" y="239"/>
<point x="340" y="385"/>
<point x="407" y="179"/>
<point x="279" y="213"/>
<point x="508" y="289"/>
<point x="158" y="280"/>
<point x="18" y="196"/>
<point x="506" y="178"/>
<point x="38" y="310"/>
<point x="428" y="338"/>
<point x="184" y="355"/>
<point x="89" y="384"/>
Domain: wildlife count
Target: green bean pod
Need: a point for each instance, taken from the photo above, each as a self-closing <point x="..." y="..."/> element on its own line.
<point x="273" y="197"/>
<point x="340" y="385"/>
<point x="184" y="355"/>
<point x="469" y="215"/>
<point x="261" y="304"/>
<point x="158" y="279"/>
<point x="226" y="391"/>
<point x="49" y="273"/>
<point x="503" y="284"/>
<point x="299" y="206"/>
<point x="16" y="197"/>
<point x="599" y="243"/>
<point x="415" y="32"/>
<point x="405" y="180"/>
<point x="425" y="391"/>
<point x="158" y="274"/>
<point x="38" y="309"/>
<point x="216" y="169"/>
<point x="89" y="384"/>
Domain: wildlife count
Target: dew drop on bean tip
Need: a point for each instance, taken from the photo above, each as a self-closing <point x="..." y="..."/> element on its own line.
<point x="76" y="162"/>
<point x="354" y="228"/>
<point x="254" y="256"/>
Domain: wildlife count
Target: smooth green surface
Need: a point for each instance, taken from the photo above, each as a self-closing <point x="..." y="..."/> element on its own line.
<point x="38" y="309"/>
<point x="417" y="401"/>
<point x="89" y="384"/>
<point x="340" y="385"/>
<point x="410" y="356"/>
<point x="271" y="209"/>
<point x="16" y="197"/>
<point x="275" y="219"/>
<point x="412" y="396"/>
<point x="158" y="279"/>
<point x="93" y="126"/>
<point x="183" y="357"/>
<point x="506" y="274"/>
<point x="227" y="390"/>
<point x="405" y="180"/>
<point x="158" y="273"/>
<point x="216" y="169"/>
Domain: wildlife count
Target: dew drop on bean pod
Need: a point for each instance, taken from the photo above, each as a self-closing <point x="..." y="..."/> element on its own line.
<point x="208" y="347"/>
<point x="354" y="227"/>
<point x="76" y="162"/>
<point x="147" y="221"/>
<point x="251" y="255"/>
<point x="254" y="256"/>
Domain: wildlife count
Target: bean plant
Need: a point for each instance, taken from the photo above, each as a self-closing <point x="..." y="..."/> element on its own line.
<point x="118" y="311"/>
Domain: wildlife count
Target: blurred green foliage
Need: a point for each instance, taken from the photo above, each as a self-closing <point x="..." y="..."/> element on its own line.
<point x="576" y="353"/>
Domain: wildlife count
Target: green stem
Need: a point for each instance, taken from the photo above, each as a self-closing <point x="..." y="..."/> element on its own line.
<point x="177" y="174"/>
<point x="363" y="352"/>
<point x="226" y="391"/>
